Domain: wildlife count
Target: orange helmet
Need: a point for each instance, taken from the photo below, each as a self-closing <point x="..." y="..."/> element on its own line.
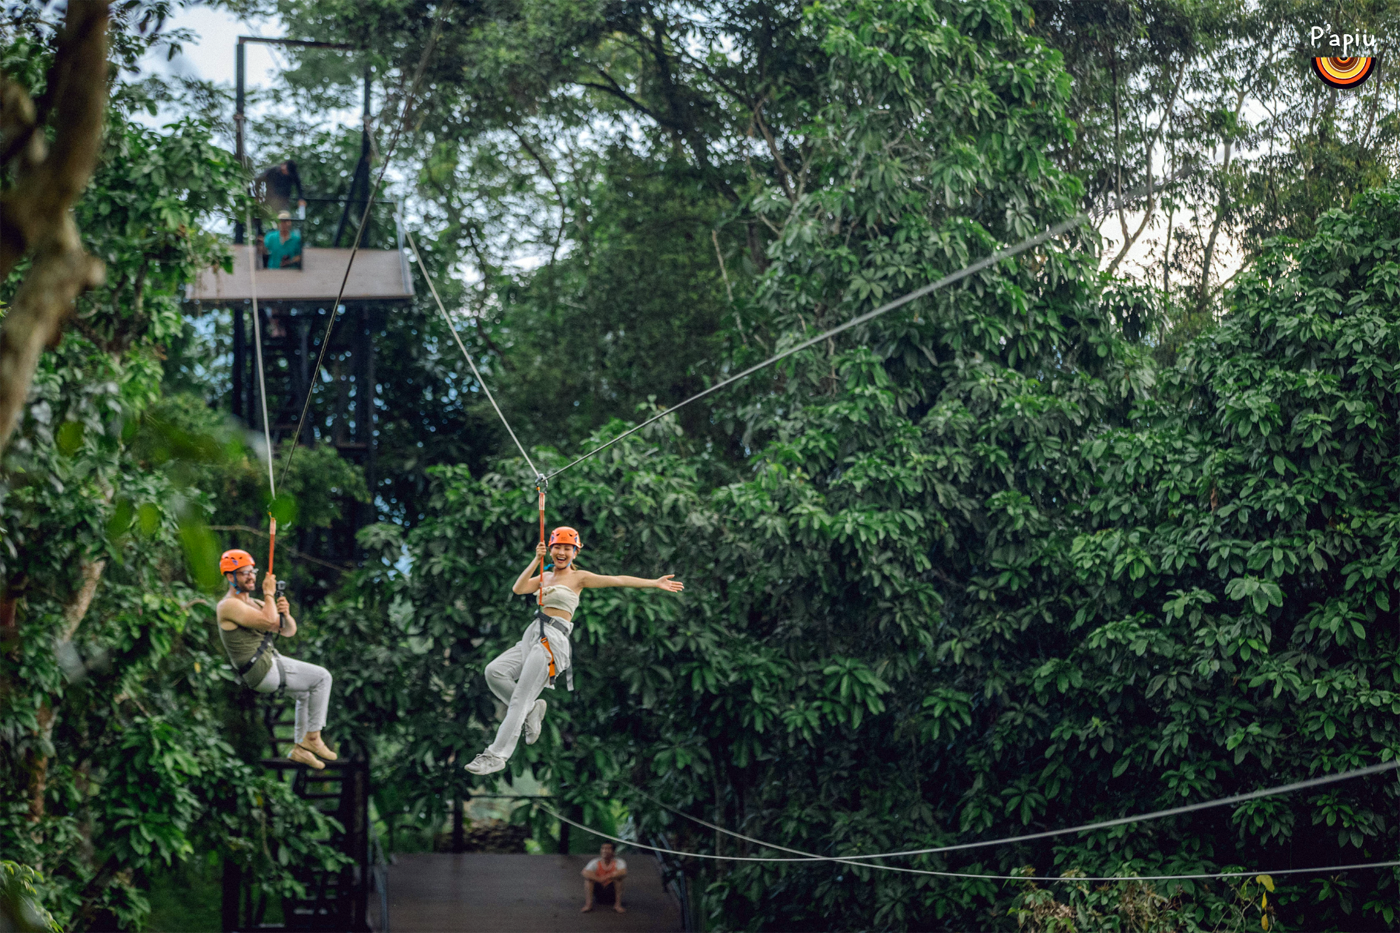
<point x="235" y="560"/>
<point x="564" y="535"/>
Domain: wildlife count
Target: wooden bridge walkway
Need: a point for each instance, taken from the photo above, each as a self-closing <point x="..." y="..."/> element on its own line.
<point x="484" y="893"/>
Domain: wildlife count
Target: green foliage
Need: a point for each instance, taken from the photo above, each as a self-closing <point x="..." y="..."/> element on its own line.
<point x="1139" y="907"/>
<point x="117" y="707"/>
<point x="1002" y="561"/>
<point x="143" y="220"/>
<point x="20" y="905"/>
<point x="990" y="570"/>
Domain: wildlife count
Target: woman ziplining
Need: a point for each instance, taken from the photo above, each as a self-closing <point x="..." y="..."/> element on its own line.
<point x="519" y="675"/>
<point x="523" y="671"/>
<point x="248" y="627"/>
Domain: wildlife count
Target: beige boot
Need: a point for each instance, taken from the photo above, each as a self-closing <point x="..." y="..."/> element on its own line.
<point x="302" y="756"/>
<point x="312" y="743"/>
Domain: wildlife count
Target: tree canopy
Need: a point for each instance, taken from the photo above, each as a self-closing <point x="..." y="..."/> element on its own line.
<point x="1053" y="545"/>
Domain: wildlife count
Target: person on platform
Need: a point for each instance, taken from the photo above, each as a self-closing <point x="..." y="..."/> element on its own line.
<point x="278" y="182"/>
<point x="521" y="673"/>
<point x="283" y="245"/>
<point x="602" y="879"/>
<point x="248" y="628"/>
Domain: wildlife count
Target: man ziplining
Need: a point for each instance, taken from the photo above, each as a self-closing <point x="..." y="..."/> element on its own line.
<point x="248" y="627"/>
<point x="522" y="672"/>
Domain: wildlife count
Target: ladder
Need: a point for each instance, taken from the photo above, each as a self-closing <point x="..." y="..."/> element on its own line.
<point x="335" y="900"/>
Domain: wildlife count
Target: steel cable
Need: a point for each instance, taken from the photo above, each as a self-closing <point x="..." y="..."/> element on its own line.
<point x="418" y="260"/>
<point x="1046" y="834"/>
<point x="254" y="257"/>
<point x="860" y="861"/>
<point x="998" y="256"/>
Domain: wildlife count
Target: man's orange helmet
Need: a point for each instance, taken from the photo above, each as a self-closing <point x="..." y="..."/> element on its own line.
<point x="235" y="560"/>
<point x="564" y="535"/>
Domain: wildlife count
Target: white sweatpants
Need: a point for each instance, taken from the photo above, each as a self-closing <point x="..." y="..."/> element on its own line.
<point x="518" y="676"/>
<point x="309" y="685"/>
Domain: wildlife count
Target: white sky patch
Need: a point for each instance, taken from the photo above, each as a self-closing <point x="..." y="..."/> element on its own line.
<point x="1143" y="263"/>
<point x="211" y="56"/>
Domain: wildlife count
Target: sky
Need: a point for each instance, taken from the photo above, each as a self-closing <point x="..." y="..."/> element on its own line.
<point x="210" y="56"/>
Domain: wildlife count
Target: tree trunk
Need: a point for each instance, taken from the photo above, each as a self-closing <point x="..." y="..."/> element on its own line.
<point x="39" y="762"/>
<point x="74" y="612"/>
<point x="1203" y="289"/>
<point x="35" y="216"/>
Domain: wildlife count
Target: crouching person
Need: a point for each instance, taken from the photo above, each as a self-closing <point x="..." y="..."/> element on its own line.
<point x="602" y="880"/>
<point x="248" y="628"/>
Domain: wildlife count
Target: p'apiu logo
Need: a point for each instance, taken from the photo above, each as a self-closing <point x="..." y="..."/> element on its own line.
<point x="1344" y="73"/>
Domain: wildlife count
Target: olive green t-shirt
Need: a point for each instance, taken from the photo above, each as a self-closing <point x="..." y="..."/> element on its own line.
<point x="241" y="644"/>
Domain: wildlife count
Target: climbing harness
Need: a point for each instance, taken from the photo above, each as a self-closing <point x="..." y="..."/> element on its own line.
<point x="861" y="861"/>
<point x="364" y="217"/>
<point x="544" y="618"/>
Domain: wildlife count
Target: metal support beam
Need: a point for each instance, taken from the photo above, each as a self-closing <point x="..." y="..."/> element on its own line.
<point x="239" y="148"/>
<point x="359" y="182"/>
<point x="366" y="424"/>
<point x="240" y="353"/>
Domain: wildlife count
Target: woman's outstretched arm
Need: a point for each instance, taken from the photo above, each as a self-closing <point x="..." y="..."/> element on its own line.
<point x="525" y="583"/>
<point x="666" y="583"/>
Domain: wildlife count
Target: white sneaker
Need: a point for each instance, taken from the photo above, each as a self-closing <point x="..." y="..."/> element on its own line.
<point x="486" y="763"/>
<point x="533" y="722"/>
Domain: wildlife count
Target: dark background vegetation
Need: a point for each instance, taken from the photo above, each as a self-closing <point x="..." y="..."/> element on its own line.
<point x="1080" y="537"/>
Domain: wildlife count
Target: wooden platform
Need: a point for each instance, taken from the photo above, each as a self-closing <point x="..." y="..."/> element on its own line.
<point x="378" y="274"/>
<point x="480" y="893"/>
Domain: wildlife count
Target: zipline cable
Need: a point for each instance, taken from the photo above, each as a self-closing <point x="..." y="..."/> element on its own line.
<point x="1197" y="876"/>
<point x="1144" y="817"/>
<point x="972" y="875"/>
<point x="359" y="233"/>
<point x="418" y="260"/>
<point x="947" y="280"/>
<point x="1082" y="828"/>
<point x="254" y="258"/>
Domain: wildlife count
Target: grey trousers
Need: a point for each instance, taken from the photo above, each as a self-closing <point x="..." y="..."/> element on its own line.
<point x="309" y="685"/>
<point x="518" y="676"/>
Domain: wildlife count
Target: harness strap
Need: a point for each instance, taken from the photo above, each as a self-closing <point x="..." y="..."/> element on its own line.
<point x="268" y="637"/>
<point x="553" y="669"/>
<point x="544" y="639"/>
<point x="262" y="649"/>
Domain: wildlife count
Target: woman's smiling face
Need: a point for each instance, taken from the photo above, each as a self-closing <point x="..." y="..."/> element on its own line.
<point x="562" y="554"/>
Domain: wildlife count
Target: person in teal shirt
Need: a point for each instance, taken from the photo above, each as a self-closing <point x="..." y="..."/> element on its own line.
<point x="283" y="245"/>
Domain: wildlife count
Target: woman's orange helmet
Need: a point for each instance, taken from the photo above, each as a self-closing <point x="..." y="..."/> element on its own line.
<point x="235" y="560"/>
<point x="564" y="535"/>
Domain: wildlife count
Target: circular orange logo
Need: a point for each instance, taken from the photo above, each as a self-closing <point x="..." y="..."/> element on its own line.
<point x="1344" y="72"/>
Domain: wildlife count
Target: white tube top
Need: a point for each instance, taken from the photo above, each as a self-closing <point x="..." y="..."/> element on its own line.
<point x="560" y="596"/>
